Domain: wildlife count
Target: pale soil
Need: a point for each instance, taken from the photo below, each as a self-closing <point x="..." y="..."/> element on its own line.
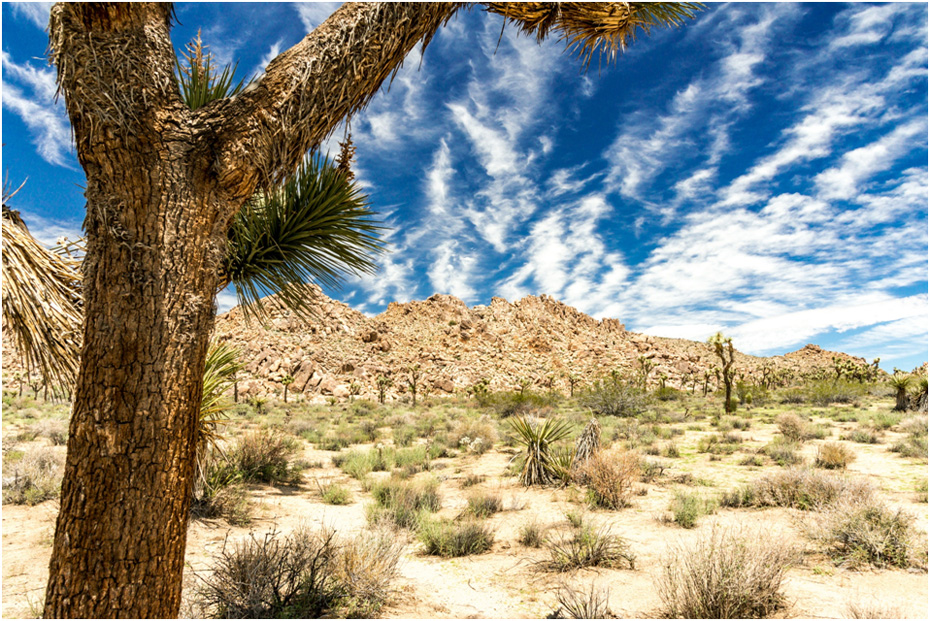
<point x="505" y="582"/>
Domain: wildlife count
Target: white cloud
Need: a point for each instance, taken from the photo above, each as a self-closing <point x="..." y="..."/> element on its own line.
<point x="312" y="14"/>
<point x="272" y="53"/>
<point x="46" y="120"/>
<point x="844" y="181"/>
<point x="36" y="12"/>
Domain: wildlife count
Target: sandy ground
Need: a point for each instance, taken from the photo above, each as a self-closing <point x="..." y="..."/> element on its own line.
<point x="506" y="581"/>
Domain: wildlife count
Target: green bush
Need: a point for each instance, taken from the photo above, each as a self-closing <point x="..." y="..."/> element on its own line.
<point x="532" y="535"/>
<point x="687" y="507"/>
<point x="335" y="494"/>
<point x="783" y="452"/>
<point x="863" y="436"/>
<point x="614" y="397"/>
<point x="450" y="539"/>
<point x="265" y="457"/>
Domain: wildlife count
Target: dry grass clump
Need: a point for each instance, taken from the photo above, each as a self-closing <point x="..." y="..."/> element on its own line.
<point x="859" y="532"/>
<point x="915" y="443"/>
<point x="474" y="435"/>
<point x="725" y="575"/>
<point x="834" y="455"/>
<point x="335" y="494"/>
<point x="303" y="575"/>
<point x="457" y="538"/>
<point x="610" y="476"/>
<point x="796" y="429"/>
<point x="863" y="436"/>
<point x="473" y="479"/>
<point x="34" y="476"/>
<point x="218" y="492"/>
<point x="404" y="503"/>
<point x="532" y="534"/>
<point x="799" y="488"/>
<point x="586" y="547"/>
<point x="872" y="610"/>
<point x="484" y="504"/>
<point x="590" y="603"/>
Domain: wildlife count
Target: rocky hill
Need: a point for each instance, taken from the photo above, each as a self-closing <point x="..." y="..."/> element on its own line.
<point x="535" y="339"/>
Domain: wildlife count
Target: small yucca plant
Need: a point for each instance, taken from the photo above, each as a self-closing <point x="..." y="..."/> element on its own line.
<point x="539" y="467"/>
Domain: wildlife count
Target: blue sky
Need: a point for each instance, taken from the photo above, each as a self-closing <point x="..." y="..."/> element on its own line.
<point x="761" y="171"/>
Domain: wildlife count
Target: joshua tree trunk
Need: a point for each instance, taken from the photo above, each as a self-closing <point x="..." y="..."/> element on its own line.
<point x="163" y="184"/>
<point x="901" y="399"/>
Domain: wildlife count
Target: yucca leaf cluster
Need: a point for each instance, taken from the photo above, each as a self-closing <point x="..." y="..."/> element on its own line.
<point x="540" y="466"/>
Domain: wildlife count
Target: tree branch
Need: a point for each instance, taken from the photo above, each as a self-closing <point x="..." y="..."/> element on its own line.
<point x="307" y="90"/>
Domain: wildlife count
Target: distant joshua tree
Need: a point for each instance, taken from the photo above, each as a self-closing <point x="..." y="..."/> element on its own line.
<point x="645" y="368"/>
<point x="413" y="379"/>
<point x="723" y="347"/>
<point x="287" y="380"/>
<point x="383" y="384"/>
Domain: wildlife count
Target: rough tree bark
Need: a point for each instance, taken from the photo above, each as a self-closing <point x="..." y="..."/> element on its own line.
<point x="163" y="184"/>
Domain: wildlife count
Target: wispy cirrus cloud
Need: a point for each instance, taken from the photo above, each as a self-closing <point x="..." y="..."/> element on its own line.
<point x="29" y="92"/>
<point x="35" y="12"/>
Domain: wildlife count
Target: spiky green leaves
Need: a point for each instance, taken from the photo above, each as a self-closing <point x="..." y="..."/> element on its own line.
<point x="200" y="81"/>
<point x="315" y="227"/>
<point x="218" y="375"/>
<point x="541" y="466"/>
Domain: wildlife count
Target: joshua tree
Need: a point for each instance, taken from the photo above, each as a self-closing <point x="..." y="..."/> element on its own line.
<point x="573" y="380"/>
<point x="900" y="381"/>
<point x="383" y="384"/>
<point x="286" y="381"/>
<point x="723" y="347"/>
<point x="523" y="383"/>
<point x="645" y="368"/>
<point x="413" y="379"/>
<point x="164" y="186"/>
<point x="354" y="389"/>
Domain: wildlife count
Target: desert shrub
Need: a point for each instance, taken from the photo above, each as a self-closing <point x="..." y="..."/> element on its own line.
<point x="719" y="444"/>
<point x="833" y="455"/>
<point x="725" y="575"/>
<point x="403" y="503"/>
<point x="687" y="507"/>
<point x="575" y="518"/>
<point x="793" y="396"/>
<point x="884" y="420"/>
<point x="473" y="479"/>
<point x="506" y="404"/>
<point x="610" y="397"/>
<point x="218" y="492"/>
<point x="792" y="427"/>
<point x="914" y="426"/>
<point x="404" y="435"/>
<point x="912" y="446"/>
<point x="610" y="476"/>
<point x="474" y="435"/>
<point x="863" y="436"/>
<point x="751" y="460"/>
<point x="458" y="538"/>
<point x="921" y="491"/>
<point x="34" y="477"/>
<point x="858" y="609"/>
<point x="265" y="457"/>
<point x="532" y="534"/>
<point x="335" y="494"/>
<point x="369" y="429"/>
<point x="734" y="422"/>
<point x="667" y="393"/>
<point x="671" y="451"/>
<point x="304" y="575"/>
<point x="866" y="532"/>
<point x="56" y="431"/>
<point x="582" y="604"/>
<point x="586" y="547"/>
<point x="782" y="451"/>
<point x="359" y="463"/>
<point x="798" y="488"/>
<point x="484" y="504"/>
<point x="651" y="470"/>
<point x="823" y="393"/>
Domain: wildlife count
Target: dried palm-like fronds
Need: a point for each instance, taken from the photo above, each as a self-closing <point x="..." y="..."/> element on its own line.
<point x="42" y="303"/>
<point x="539" y="466"/>
<point x="200" y="81"/>
<point x="314" y="227"/>
<point x="594" y="27"/>
<point x="589" y="443"/>
<point x="345" y="157"/>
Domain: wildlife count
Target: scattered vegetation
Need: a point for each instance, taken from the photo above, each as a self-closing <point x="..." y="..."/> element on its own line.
<point x="587" y="547"/>
<point x="834" y="455"/>
<point x="798" y="488"/>
<point x="404" y="503"/>
<point x="590" y="603"/>
<point x="484" y="504"/>
<point x="33" y="476"/>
